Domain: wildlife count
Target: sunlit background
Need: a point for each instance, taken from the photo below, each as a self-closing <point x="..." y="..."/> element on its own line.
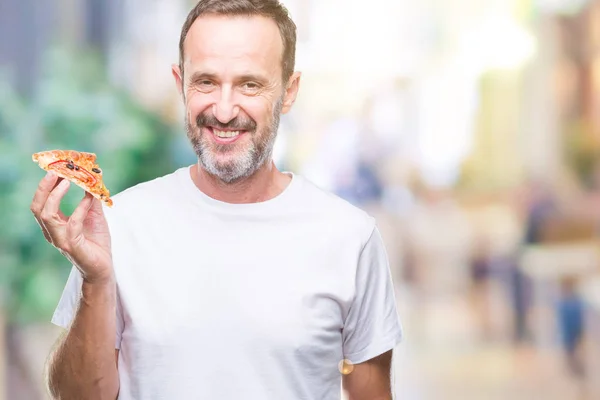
<point x="469" y="128"/>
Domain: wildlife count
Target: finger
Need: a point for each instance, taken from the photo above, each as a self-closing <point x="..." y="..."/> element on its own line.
<point x="46" y="185"/>
<point x="51" y="215"/>
<point x="75" y="223"/>
<point x="41" y="195"/>
<point x="97" y="208"/>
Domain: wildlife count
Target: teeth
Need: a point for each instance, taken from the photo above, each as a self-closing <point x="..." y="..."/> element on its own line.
<point x="226" y="134"/>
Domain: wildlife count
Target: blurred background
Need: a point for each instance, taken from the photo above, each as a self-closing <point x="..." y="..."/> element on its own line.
<point x="469" y="128"/>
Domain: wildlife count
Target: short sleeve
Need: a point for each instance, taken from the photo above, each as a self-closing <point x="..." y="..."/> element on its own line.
<point x="69" y="301"/>
<point x="372" y="326"/>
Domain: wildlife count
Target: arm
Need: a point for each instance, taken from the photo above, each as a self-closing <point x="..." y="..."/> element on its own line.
<point x="372" y="327"/>
<point x="370" y="380"/>
<point x="83" y="365"/>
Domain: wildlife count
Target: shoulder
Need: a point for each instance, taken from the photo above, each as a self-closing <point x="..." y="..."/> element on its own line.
<point x="336" y="213"/>
<point x="145" y="196"/>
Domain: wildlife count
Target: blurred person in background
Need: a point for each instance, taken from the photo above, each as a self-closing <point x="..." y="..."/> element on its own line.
<point x="481" y="270"/>
<point x="228" y="278"/>
<point x="360" y="185"/>
<point x="570" y="317"/>
<point x="540" y="207"/>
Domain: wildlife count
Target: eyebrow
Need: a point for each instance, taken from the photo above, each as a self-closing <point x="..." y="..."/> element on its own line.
<point x="252" y="77"/>
<point x="196" y="77"/>
<point x="200" y="76"/>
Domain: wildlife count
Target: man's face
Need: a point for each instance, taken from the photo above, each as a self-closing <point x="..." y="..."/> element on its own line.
<point x="233" y="93"/>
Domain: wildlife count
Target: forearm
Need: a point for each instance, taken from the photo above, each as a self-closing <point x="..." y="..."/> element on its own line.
<point x="370" y="380"/>
<point x="83" y="366"/>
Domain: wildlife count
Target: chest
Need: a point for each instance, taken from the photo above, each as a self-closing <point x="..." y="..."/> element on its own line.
<point x="281" y="288"/>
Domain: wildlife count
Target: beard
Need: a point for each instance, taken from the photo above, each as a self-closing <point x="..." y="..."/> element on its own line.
<point x="233" y="162"/>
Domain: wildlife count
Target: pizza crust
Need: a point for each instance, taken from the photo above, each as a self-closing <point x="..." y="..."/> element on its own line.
<point x="77" y="167"/>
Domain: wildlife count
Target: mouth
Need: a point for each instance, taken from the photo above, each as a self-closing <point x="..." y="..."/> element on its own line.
<point x="225" y="136"/>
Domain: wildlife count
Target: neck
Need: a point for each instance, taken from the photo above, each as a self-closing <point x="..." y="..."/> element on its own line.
<point x="266" y="183"/>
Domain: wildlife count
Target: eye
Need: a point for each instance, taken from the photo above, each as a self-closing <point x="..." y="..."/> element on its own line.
<point x="251" y="86"/>
<point x="204" y="85"/>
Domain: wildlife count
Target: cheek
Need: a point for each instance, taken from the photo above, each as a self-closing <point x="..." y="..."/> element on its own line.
<point x="258" y="109"/>
<point x="197" y="103"/>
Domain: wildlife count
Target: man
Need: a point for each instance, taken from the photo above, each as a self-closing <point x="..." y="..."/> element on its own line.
<point x="228" y="279"/>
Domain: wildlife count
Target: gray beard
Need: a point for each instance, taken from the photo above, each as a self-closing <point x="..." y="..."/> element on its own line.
<point x="253" y="157"/>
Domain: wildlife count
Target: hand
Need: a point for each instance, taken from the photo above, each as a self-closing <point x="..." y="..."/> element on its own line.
<point x="83" y="238"/>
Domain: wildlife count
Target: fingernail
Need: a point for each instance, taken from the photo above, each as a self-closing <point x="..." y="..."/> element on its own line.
<point x="49" y="175"/>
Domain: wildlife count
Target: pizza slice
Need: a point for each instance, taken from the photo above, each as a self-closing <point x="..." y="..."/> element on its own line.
<point x="77" y="167"/>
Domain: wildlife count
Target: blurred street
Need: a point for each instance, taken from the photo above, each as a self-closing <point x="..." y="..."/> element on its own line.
<point x="469" y="129"/>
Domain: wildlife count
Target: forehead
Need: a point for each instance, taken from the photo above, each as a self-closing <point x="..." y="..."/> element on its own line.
<point x="234" y="43"/>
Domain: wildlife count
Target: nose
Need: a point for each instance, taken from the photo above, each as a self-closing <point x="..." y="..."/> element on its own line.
<point x="225" y="108"/>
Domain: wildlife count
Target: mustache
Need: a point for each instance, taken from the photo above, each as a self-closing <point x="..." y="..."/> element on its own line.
<point x="236" y="124"/>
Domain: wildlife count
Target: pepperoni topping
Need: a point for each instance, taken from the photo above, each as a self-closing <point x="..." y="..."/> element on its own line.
<point x="70" y="169"/>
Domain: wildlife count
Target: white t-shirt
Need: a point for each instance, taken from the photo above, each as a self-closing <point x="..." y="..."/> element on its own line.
<point x="242" y="301"/>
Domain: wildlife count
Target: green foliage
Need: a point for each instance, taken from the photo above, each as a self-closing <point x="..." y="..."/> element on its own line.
<point x="75" y="107"/>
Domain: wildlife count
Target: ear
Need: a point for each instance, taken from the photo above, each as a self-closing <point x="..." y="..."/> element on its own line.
<point x="291" y="92"/>
<point x="176" y="71"/>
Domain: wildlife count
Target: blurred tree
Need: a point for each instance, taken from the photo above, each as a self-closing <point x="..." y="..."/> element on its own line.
<point x="73" y="107"/>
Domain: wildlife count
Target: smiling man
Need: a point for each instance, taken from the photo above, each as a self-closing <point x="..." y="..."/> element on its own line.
<point x="227" y="279"/>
